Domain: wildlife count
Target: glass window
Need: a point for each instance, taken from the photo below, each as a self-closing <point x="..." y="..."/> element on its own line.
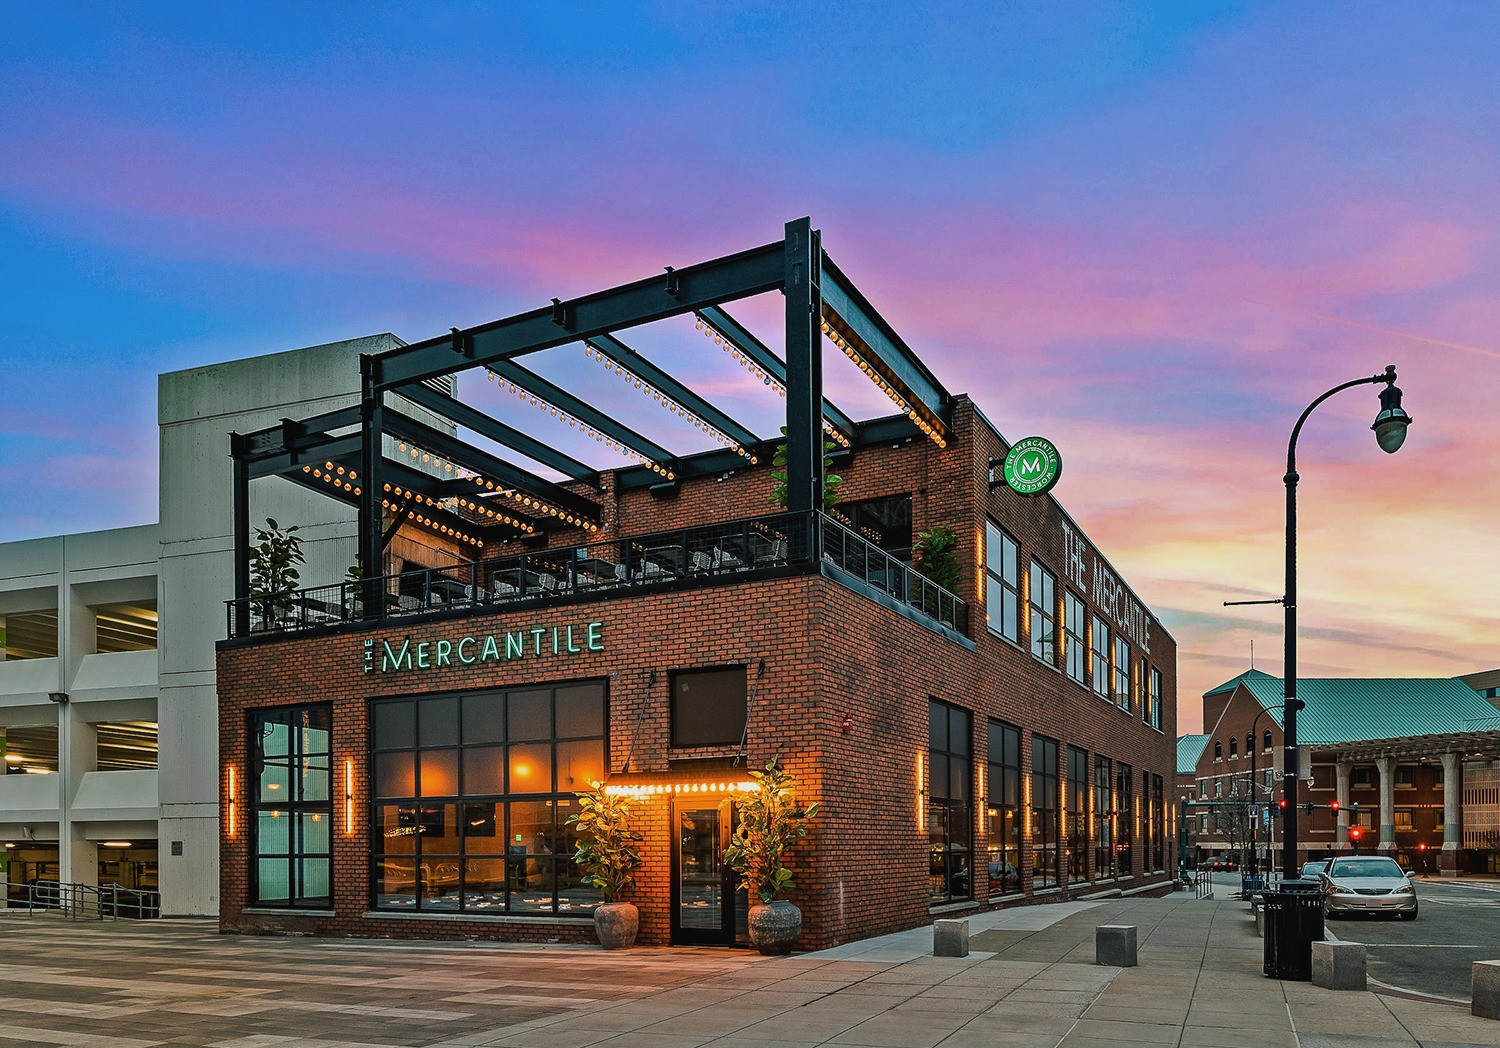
<point x="1405" y="776"/>
<point x="1076" y="655"/>
<point x="1403" y="818"/>
<point x="1234" y="747"/>
<point x="1159" y="824"/>
<point x="1078" y="815"/>
<point x="291" y="846"/>
<point x="472" y="797"/>
<point x="1043" y="601"/>
<point x="708" y="707"/>
<point x="949" y="801"/>
<point x="1123" y="697"/>
<point x="885" y="522"/>
<point x="1003" y="815"/>
<point x="1002" y="582"/>
<point x="1099" y="649"/>
<point x="1218" y="750"/>
<point x="1266" y="740"/>
<point x="1044" y="821"/>
<point x="1153" y="696"/>
<point x="1125" y="817"/>
<point x="1104" y="847"/>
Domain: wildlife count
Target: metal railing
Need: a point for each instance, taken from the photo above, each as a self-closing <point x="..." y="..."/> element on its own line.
<point x="680" y="556"/>
<point x="84" y="901"/>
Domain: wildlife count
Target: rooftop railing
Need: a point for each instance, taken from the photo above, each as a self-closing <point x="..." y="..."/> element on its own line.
<point x="666" y="559"/>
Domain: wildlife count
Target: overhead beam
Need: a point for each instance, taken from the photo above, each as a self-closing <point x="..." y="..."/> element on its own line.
<point x="882" y="348"/>
<point x="305" y="453"/>
<point x="486" y="426"/>
<point x="638" y="365"/>
<point x="565" y="401"/>
<point x="732" y="330"/>
<point x="414" y="480"/>
<point x="456" y="450"/>
<point x="672" y="293"/>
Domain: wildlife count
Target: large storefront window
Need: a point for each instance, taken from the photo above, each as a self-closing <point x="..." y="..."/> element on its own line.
<point x="1002" y="582"/>
<point x="293" y="846"/>
<point x="950" y="801"/>
<point x="1003" y="808"/>
<point x="1078" y="815"/>
<point x="1104" y="844"/>
<point x="472" y="793"/>
<point x="1044" y="801"/>
<point x="1159" y="824"/>
<point x="1125" y="821"/>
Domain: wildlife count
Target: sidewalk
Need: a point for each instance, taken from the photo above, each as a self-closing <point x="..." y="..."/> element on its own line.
<point x="1029" y="981"/>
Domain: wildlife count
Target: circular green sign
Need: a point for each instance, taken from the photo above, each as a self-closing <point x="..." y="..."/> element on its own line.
<point x="1032" y="466"/>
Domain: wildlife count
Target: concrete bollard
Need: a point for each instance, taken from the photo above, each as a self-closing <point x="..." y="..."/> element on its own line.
<point x="950" y="938"/>
<point x="1114" y="944"/>
<point x="1486" y="989"/>
<point x="1338" y="965"/>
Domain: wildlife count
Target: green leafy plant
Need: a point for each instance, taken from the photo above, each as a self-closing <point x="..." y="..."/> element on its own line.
<point x="770" y="823"/>
<point x="273" y="570"/>
<point x="831" y="480"/>
<point x="607" y="853"/>
<point x="936" y="557"/>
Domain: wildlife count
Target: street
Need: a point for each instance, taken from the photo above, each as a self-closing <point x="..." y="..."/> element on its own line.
<point x="1458" y="923"/>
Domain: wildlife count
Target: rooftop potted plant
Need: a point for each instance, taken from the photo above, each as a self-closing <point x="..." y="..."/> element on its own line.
<point x="608" y="857"/>
<point x="770" y="822"/>
<point x="273" y="571"/>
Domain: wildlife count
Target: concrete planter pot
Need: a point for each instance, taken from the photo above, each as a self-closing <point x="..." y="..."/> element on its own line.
<point x="616" y="924"/>
<point x="774" y="926"/>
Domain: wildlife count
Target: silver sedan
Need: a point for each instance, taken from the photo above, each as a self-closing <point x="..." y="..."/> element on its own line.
<point x="1368" y="884"/>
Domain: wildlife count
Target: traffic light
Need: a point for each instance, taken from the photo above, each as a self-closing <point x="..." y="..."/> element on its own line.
<point x="1280" y="807"/>
<point x="1355" y="833"/>
<point x="1309" y="809"/>
<point x="1334" y="807"/>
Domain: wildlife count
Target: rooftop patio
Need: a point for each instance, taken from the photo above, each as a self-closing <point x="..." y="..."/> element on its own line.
<point x="516" y="512"/>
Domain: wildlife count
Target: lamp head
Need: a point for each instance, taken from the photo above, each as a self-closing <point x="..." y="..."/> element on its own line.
<point x="1390" y="425"/>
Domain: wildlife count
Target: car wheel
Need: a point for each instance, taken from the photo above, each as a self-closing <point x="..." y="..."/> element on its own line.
<point x="1411" y="916"/>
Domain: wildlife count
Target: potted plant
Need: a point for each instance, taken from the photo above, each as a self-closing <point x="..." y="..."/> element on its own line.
<point x="831" y="480"/>
<point x="273" y="571"/>
<point x="936" y="560"/>
<point x="770" y="822"/>
<point x="608" y="857"/>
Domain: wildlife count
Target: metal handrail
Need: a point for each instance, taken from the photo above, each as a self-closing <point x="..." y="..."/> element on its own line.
<point x="90" y="901"/>
<point x="694" y="553"/>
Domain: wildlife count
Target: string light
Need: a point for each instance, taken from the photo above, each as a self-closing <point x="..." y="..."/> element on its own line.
<point x="342" y="479"/>
<point x="528" y="397"/>
<point x="743" y="359"/>
<point x="849" y="345"/>
<point x="594" y="353"/>
<point x="656" y="789"/>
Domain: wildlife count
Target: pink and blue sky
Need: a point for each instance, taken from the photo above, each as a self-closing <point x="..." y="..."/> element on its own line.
<point x="1150" y="231"/>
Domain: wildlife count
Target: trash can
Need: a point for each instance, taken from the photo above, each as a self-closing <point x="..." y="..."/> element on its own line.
<point x="1293" y="922"/>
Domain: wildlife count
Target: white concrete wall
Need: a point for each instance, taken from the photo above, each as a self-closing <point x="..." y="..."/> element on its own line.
<point x="197" y="410"/>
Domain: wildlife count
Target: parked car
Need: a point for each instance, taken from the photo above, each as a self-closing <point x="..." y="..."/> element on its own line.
<point x="1218" y="864"/>
<point x="1368" y="884"/>
<point x="1311" y="871"/>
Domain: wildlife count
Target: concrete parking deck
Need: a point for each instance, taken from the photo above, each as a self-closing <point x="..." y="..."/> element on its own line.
<point x="1028" y="981"/>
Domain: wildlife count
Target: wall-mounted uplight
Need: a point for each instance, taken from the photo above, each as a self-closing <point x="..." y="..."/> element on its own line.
<point x="233" y="797"/>
<point x="348" y="798"/>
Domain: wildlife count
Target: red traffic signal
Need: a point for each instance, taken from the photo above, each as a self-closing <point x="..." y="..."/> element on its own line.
<point x="1281" y="804"/>
<point x="1334" y="806"/>
<point x="1355" y="833"/>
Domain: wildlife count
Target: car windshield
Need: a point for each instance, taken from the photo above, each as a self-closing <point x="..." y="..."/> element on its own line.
<point x="1370" y="868"/>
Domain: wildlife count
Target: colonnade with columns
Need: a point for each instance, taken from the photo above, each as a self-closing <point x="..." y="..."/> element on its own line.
<point x="1386" y="770"/>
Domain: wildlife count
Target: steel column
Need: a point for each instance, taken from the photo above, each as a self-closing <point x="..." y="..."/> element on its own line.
<point x="804" y="373"/>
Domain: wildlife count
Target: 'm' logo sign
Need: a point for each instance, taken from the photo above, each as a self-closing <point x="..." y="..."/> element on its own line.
<point x="1030" y="467"/>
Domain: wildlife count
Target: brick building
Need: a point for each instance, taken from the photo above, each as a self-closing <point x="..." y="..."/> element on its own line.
<point x="401" y="752"/>
<point x="1399" y="766"/>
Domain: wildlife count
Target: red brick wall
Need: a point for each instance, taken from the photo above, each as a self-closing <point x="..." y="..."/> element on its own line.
<point x="830" y="654"/>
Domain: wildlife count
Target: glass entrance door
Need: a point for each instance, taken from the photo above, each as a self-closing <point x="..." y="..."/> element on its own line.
<point x="707" y="910"/>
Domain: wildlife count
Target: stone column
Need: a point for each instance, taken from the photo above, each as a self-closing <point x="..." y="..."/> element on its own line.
<point x="1387" y="766"/>
<point x="1342" y="771"/>
<point x="1452" y="787"/>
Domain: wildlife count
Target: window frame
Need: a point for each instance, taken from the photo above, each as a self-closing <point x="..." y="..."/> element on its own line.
<point x="1041" y="619"/>
<point x="1005" y="819"/>
<point x="1120" y="673"/>
<point x="1001" y="547"/>
<point x="295" y="806"/>
<point x="956" y="813"/>
<point x="1099" y="654"/>
<point x="1076" y="653"/>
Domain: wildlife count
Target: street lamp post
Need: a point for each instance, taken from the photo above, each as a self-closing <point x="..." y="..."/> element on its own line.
<point x="1390" y="430"/>
<point x="1255" y="785"/>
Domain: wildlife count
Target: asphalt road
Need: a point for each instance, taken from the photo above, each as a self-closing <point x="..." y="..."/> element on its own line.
<point x="1458" y="923"/>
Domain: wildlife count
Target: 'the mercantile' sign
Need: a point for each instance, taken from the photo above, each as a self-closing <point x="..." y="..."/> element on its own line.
<point x="393" y="656"/>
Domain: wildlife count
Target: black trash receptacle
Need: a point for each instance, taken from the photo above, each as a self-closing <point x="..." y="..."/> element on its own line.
<point x="1294" y="921"/>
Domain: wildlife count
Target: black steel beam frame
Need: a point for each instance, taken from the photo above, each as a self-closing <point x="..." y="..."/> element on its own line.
<point x="815" y="293"/>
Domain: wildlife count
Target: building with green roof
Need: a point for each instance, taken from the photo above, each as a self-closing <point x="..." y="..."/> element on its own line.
<point x="1405" y="766"/>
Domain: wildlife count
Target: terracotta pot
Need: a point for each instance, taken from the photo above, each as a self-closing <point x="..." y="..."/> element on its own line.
<point x="774" y="926"/>
<point x="616" y="924"/>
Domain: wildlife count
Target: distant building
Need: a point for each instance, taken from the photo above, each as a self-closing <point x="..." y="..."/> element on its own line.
<point x="1400" y="766"/>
